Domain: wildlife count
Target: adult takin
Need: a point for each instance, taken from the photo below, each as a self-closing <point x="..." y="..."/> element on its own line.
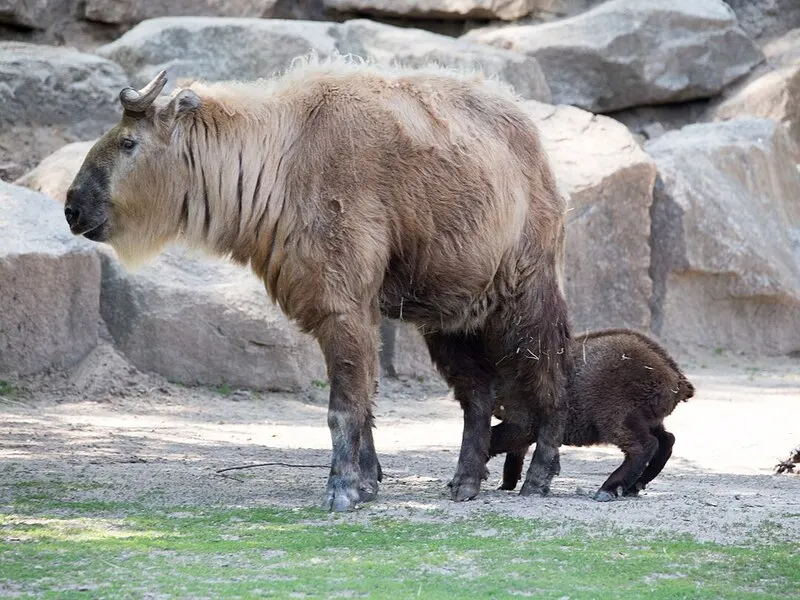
<point x="621" y="388"/>
<point x="355" y="191"/>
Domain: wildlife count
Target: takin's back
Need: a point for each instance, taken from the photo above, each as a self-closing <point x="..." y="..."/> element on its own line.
<point x="402" y="179"/>
<point x="618" y="373"/>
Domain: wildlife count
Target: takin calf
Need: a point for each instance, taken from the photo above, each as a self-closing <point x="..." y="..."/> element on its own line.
<point x="622" y="386"/>
<point x="354" y="192"/>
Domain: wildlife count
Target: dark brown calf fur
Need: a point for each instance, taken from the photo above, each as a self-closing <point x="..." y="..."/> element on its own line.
<point x="622" y="386"/>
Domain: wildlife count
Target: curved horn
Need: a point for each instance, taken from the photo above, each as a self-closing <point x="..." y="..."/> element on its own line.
<point x="138" y="102"/>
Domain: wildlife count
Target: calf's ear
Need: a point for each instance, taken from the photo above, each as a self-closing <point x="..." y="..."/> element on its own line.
<point x="183" y="103"/>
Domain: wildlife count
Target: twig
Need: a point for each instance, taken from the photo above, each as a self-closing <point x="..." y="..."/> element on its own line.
<point x="283" y="464"/>
<point x="272" y="464"/>
<point x="226" y="476"/>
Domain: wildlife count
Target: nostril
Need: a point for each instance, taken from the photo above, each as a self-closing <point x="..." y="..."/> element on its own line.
<point x="72" y="215"/>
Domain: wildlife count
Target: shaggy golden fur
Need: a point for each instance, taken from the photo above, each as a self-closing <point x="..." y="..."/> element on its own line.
<point x="351" y="191"/>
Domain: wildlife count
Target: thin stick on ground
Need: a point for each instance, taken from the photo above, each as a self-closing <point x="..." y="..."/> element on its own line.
<point x="272" y="464"/>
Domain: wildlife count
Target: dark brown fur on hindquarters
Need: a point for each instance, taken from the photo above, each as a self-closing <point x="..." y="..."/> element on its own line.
<point x="621" y="387"/>
<point x="355" y="191"/>
<point x="788" y="465"/>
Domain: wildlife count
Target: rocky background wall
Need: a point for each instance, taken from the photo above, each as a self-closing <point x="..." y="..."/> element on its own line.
<point x="673" y="128"/>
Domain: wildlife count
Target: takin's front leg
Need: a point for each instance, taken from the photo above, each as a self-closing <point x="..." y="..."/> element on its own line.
<point x="350" y="345"/>
<point x="462" y="361"/>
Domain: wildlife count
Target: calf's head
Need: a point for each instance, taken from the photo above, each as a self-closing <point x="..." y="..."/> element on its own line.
<point x="124" y="192"/>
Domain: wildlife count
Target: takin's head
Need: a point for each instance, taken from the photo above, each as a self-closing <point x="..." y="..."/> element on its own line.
<point x="124" y="192"/>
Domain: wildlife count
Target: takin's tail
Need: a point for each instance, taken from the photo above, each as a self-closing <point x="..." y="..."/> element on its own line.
<point x="686" y="389"/>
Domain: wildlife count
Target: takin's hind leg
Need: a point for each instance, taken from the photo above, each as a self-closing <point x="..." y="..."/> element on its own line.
<point x="368" y="462"/>
<point x="530" y="342"/>
<point x="639" y="449"/>
<point x="462" y="361"/>
<point x="534" y="356"/>
<point x="665" y="442"/>
<point x="388" y="336"/>
<point x="350" y="344"/>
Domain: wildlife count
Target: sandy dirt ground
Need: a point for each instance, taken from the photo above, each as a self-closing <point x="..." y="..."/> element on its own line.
<point x="107" y="432"/>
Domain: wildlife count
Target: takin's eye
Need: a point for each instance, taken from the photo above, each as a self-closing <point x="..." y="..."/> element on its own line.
<point x="127" y="144"/>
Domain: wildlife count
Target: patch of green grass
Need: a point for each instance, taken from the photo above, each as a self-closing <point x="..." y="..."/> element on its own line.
<point x="9" y="391"/>
<point x="223" y="389"/>
<point x="319" y="384"/>
<point x="64" y="550"/>
<point x="719" y="351"/>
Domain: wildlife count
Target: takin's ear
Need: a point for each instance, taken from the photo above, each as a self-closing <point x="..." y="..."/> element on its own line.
<point x="183" y="103"/>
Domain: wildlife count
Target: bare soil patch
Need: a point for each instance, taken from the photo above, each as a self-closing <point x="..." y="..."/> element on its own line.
<point x="106" y="432"/>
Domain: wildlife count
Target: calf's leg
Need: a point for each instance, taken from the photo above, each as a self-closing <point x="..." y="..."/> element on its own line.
<point x="639" y="446"/>
<point x="461" y="359"/>
<point x="350" y="345"/>
<point x="665" y="442"/>
<point x="506" y="438"/>
<point x="512" y="469"/>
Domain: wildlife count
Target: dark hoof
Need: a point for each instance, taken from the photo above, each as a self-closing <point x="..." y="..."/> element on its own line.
<point x="532" y="489"/>
<point x="604" y="496"/>
<point x="508" y="485"/>
<point x="343" y="494"/>
<point x="464" y="488"/>
<point x="368" y="490"/>
<point x="633" y="491"/>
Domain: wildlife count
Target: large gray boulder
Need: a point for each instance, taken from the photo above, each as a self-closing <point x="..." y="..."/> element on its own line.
<point x="50" y="96"/>
<point x="608" y="182"/>
<point x="784" y="50"/>
<point x="436" y="9"/>
<point x="193" y="319"/>
<point x="25" y="13"/>
<point x="53" y="176"/>
<point x="226" y="48"/>
<point x="416" y="48"/>
<point x="49" y="286"/>
<point x="765" y="19"/>
<point x="774" y="95"/>
<point x="726" y="238"/>
<point x="771" y="91"/>
<point x="634" y="52"/>
<point x="34" y="14"/>
<point x="198" y="320"/>
<point x="216" y="48"/>
<point x="133" y="11"/>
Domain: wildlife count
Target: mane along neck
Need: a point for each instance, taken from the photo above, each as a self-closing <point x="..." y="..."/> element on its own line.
<point x="236" y="180"/>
